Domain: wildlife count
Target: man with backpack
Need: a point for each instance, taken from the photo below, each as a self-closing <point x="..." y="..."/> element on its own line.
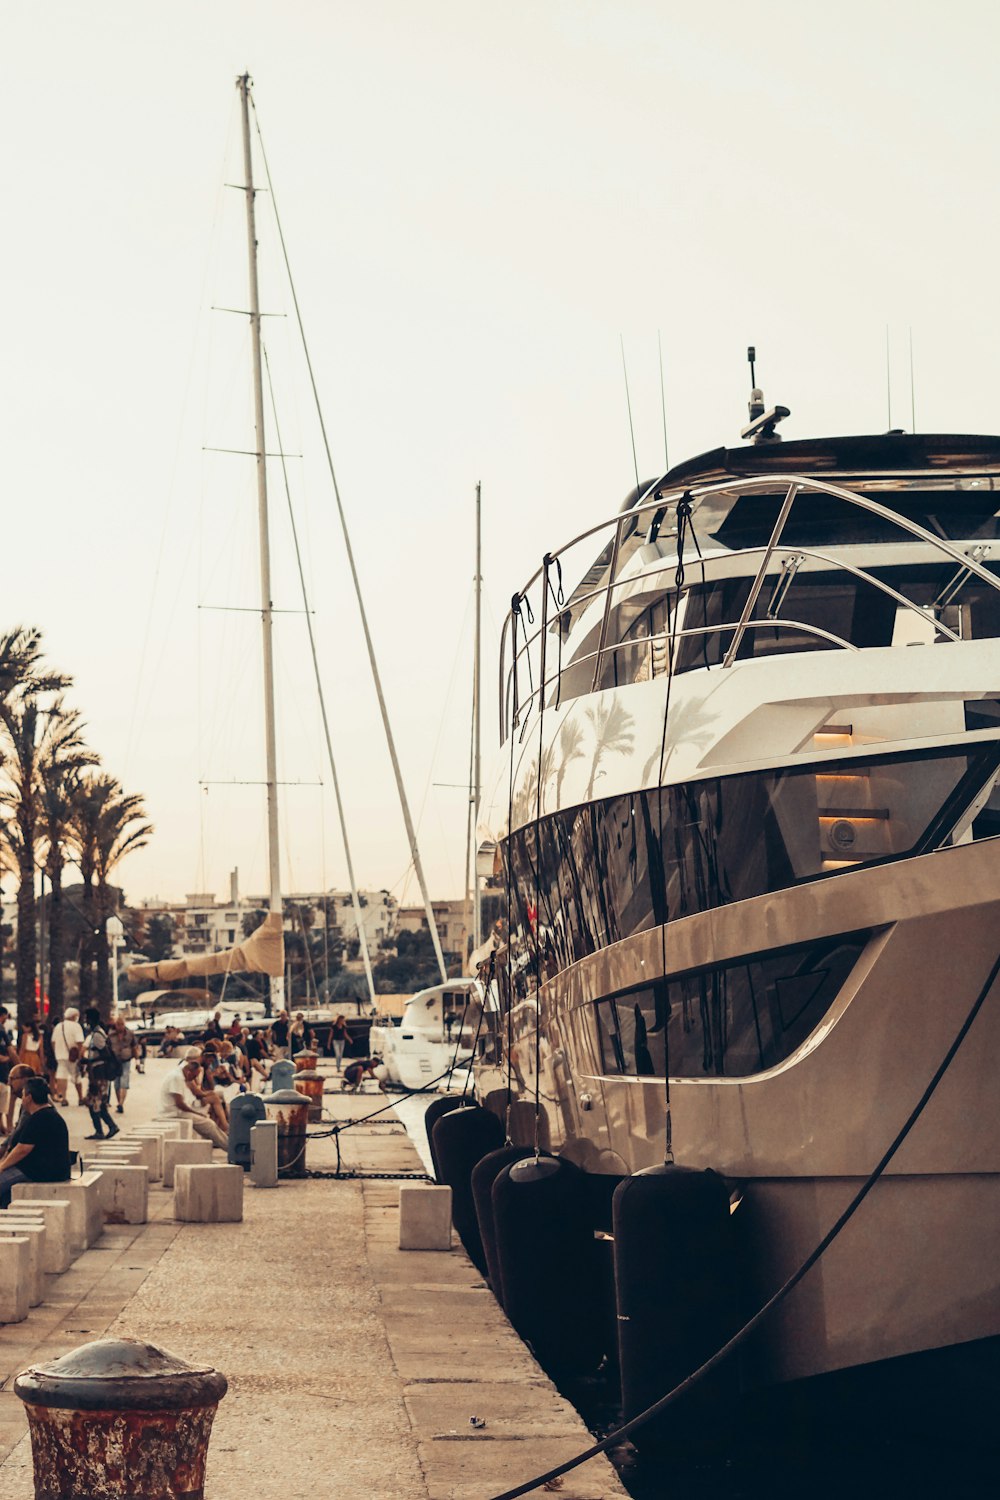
<point x="102" y="1069"/>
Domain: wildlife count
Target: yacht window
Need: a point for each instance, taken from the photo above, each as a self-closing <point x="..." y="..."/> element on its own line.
<point x="968" y="606"/>
<point x="729" y="1021"/>
<point x="607" y="870"/>
<point x="821" y="520"/>
<point x="837" y="603"/>
<point x="640" y="652"/>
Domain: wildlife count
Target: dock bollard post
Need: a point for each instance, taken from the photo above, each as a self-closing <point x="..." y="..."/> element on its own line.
<point x="290" y="1110"/>
<point x="120" y="1418"/>
<point x="311" y="1082"/>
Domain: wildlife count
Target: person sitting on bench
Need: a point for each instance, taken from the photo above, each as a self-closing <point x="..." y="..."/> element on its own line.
<point x="41" y="1153"/>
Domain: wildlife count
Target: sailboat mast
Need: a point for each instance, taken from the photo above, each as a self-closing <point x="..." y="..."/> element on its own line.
<point x="477" y="933"/>
<point x="274" y="869"/>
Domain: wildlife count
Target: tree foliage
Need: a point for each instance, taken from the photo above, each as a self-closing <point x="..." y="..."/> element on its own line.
<point x="54" y="813"/>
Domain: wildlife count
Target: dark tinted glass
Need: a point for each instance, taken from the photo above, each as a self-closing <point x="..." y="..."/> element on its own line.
<point x="817" y="520"/>
<point x="730" y="1021"/>
<point x="587" y="877"/>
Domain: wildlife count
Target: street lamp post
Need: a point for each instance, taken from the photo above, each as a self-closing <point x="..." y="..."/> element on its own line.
<point x="115" y="931"/>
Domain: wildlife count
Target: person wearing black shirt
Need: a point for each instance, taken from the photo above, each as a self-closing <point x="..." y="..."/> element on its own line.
<point x="42" y="1150"/>
<point x="256" y="1055"/>
<point x="279" y="1034"/>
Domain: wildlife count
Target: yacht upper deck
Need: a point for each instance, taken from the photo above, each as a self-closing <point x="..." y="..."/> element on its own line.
<point x="833" y="544"/>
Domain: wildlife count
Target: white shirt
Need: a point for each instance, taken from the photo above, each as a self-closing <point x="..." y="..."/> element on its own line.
<point x="174" y="1083"/>
<point x="64" y="1036"/>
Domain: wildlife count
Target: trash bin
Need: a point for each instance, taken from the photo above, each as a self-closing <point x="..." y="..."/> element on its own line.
<point x="120" y="1418"/>
<point x="290" y="1110"/>
<point x="244" y="1113"/>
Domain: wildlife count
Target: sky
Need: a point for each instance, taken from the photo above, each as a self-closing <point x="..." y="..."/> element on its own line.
<point x="481" y="205"/>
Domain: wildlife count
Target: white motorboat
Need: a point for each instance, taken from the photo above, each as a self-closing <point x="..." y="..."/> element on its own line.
<point x="433" y="1043"/>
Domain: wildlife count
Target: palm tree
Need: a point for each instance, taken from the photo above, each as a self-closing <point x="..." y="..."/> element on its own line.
<point x="121" y="829"/>
<point x="84" y="818"/>
<point x="24" y="685"/>
<point x="63" y="758"/>
<point x="30" y="727"/>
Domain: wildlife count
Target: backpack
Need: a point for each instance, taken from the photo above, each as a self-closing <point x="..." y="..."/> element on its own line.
<point x="105" y="1065"/>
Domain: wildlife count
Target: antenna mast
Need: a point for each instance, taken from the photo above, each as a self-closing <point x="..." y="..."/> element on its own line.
<point x="477" y="933"/>
<point x="274" y="868"/>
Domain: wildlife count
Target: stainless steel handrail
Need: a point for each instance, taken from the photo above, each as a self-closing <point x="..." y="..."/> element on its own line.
<point x="715" y="564"/>
<point x="664" y="499"/>
<point x="693" y="630"/>
<point x="758" y="583"/>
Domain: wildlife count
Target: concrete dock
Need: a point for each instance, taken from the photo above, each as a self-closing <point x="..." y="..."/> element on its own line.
<point x="354" y="1368"/>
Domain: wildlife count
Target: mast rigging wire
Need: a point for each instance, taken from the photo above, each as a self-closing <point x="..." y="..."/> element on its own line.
<point x="628" y="403"/>
<point x="362" y="936"/>
<point x="404" y="805"/>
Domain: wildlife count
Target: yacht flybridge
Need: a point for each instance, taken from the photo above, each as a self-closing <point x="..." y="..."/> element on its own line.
<point x="746" y="813"/>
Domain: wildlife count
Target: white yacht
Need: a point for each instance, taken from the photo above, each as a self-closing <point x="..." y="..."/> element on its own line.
<point x="746" y="813"/>
<point x="432" y="1045"/>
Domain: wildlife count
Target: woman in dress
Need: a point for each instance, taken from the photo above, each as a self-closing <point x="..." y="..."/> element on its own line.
<point x="29" y="1046"/>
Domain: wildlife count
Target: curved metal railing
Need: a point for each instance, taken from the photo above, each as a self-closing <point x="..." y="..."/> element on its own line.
<point x="627" y="527"/>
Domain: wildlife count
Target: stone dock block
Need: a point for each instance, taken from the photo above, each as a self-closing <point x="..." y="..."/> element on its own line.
<point x="55" y="1215"/>
<point x="156" y="1139"/>
<point x="83" y="1194"/>
<point x="207" y="1194"/>
<point x="149" y="1151"/>
<point x="424" y="1216"/>
<point x="15" y="1257"/>
<point x="184" y="1153"/>
<point x="124" y="1192"/>
<point x="115" y="1153"/>
<point x="34" y="1232"/>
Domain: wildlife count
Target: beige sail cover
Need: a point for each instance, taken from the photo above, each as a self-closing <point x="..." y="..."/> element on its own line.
<point x="263" y="952"/>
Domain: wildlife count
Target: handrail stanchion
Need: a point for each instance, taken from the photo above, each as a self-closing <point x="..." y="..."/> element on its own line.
<point x="758" y="582"/>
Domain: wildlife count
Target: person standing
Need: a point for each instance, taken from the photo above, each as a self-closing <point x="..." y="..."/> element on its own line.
<point x="98" y="1082"/>
<point x="29" y="1046"/>
<point x="67" y="1044"/>
<point x="8" y="1059"/>
<point x="339" y="1037"/>
<point x="125" y="1047"/>
<point x="279" y="1034"/>
<point x="41" y="1152"/>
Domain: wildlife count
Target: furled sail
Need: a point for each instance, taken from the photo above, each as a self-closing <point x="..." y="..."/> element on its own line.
<point x="263" y="952"/>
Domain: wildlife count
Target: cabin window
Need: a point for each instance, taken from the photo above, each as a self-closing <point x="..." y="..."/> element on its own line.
<point x="587" y="877"/>
<point x="730" y="1021"/>
<point x="820" y="520"/>
<point x="784" y="617"/>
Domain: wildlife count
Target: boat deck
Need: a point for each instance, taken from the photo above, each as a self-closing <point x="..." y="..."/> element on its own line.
<point x="353" y="1367"/>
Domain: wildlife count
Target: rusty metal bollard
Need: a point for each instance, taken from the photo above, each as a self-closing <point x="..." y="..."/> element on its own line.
<point x="291" y="1110"/>
<point x="311" y="1083"/>
<point x="305" y="1060"/>
<point x="119" y="1418"/>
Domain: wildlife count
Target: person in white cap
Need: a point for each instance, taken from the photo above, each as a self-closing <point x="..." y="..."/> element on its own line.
<point x="67" y="1044"/>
